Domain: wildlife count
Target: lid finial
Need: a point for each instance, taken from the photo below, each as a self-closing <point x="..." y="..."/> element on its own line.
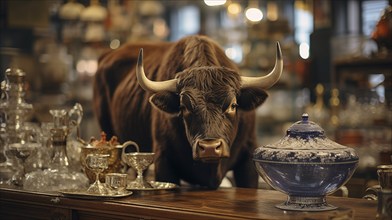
<point x="305" y="117"/>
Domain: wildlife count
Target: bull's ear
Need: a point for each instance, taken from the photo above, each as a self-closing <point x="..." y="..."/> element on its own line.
<point x="251" y="98"/>
<point x="166" y="101"/>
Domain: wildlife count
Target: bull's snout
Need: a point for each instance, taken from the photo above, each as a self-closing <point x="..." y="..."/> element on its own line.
<point x="211" y="149"/>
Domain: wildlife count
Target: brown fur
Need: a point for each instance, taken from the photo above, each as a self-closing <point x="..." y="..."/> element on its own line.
<point x="203" y="71"/>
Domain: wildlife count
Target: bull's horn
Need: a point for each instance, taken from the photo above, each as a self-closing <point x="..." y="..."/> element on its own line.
<point x="269" y="80"/>
<point x="148" y="85"/>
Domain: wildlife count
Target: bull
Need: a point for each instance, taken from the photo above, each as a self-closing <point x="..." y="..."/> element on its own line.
<point x="187" y="102"/>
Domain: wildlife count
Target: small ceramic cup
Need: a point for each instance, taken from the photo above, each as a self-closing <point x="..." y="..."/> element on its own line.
<point x="116" y="183"/>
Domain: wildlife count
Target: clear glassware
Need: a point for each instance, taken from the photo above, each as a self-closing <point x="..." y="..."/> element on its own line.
<point x="14" y="112"/>
<point x="59" y="134"/>
<point x="59" y="176"/>
<point x="97" y="163"/>
<point x="9" y="164"/>
<point x="22" y="151"/>
<point x="40" y="157"/>
<point x="26" y="148"/>
<point x="14" y="107"/>
<point x="46" y="140"/>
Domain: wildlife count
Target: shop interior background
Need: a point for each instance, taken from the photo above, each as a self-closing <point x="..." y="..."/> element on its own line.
<point x="59" y="48"/>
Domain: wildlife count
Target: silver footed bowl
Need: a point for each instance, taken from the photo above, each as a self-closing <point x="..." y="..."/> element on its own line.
<point x="139" y="161"/>
<point x="306" y="166"/>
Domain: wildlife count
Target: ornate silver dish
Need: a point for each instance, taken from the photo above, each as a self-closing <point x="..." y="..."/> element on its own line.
<point x="83" y="194"/>
<point x="155" y="186"/>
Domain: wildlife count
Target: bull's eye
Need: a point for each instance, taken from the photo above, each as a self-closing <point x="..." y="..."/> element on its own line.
<point x="186" y="104"/>
<point x="232" y="108"/>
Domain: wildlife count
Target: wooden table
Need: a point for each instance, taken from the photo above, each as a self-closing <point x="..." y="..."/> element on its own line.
<point x="225" y="203"/>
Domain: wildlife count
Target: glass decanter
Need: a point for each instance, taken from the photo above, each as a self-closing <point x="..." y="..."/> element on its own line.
<point x="59" y="176"/>
<point x="14" y="111"/>
<point x="59" y="134"/>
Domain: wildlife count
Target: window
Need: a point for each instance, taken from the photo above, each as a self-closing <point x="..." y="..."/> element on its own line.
<point x="185" y="21"/>
<point x="371" y="13"/>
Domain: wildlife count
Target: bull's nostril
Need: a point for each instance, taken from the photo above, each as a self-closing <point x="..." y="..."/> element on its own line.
<point x="210" y="148"/>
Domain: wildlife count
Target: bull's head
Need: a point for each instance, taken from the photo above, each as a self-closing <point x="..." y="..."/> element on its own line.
<point x="207" y="99"/>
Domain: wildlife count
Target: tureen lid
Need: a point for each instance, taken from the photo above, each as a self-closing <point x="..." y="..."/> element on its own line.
<point x="305" y="129"/>
<point x="305" y="141"/>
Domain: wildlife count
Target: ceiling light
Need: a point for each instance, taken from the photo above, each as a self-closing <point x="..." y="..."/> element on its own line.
<point x="214" y="2"/>
<point x="254" y="14"/>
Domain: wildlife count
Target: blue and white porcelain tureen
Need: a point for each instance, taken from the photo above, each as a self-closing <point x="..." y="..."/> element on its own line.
<point x="306" y="166"/>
